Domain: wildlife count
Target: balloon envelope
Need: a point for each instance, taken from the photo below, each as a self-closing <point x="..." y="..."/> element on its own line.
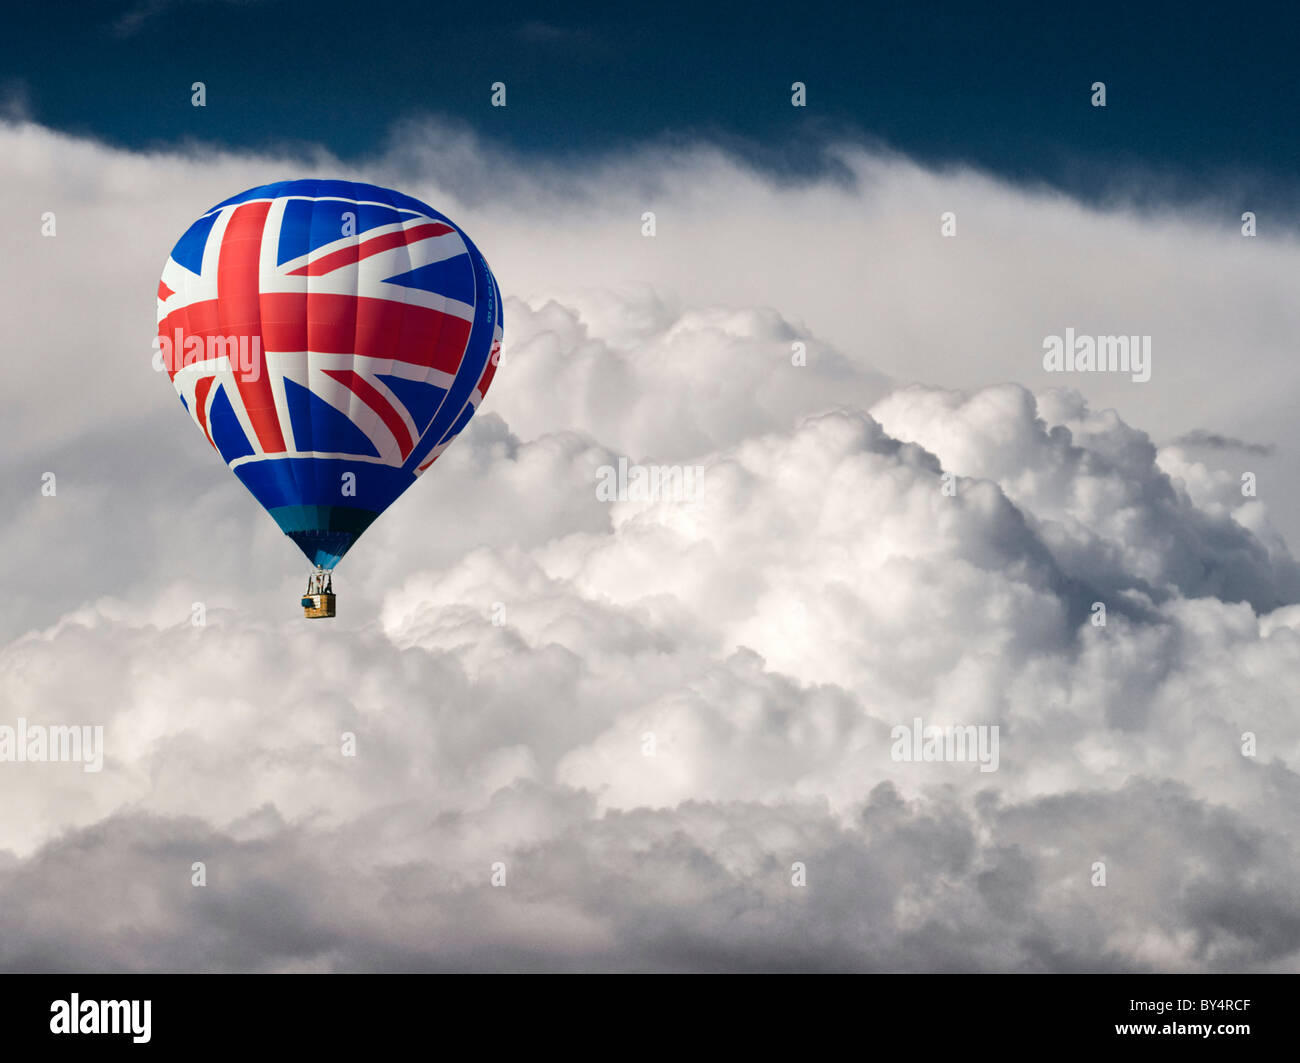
<point x="330" y="339"/>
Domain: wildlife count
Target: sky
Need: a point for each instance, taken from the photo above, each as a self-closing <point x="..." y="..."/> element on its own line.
<point x="666" y="729"/>
<point x="1196" y="92"/>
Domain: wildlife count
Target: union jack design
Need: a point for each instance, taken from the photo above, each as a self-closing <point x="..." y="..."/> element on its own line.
<point x="314" y="325"/>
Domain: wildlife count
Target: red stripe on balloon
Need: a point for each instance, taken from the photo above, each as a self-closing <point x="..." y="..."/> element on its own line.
<point x="490" y="370"/>
<point x="239" y="308"/>
<point x="347" y="255"/>
<point x="372" y="397"/>
<point x="340" y="324"/>
<point x="196" y="320"/>
<point x="372" y="328"/>
<point x="201" y="390"/>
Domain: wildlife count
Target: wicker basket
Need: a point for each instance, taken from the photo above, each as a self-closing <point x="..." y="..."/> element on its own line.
<point x="318" y="605"/>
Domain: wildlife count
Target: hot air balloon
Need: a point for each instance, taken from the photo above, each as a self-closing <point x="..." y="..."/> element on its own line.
<point x="330" y="339"/>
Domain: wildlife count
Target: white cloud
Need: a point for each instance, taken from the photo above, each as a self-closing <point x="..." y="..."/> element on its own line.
<point x="762" y="640"/>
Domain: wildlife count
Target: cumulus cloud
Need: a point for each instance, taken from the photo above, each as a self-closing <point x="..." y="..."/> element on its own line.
<point x="647" y="714"/>
<point x="1214" y="441"/>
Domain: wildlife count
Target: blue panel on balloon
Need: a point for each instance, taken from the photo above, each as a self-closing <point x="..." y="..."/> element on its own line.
<point x="477" y="351"/>
<point x="280" y="481"/>
<point x="227" y="433"/>
<point x="460" y="423"/>
<point x="324" y="549"/>
<point x="420" y="399"/>
<point x="312" y="223"/>
<point x="188" y="251"/>
<point x="320" y="427"/>
<point x="323" y="533"/>
<point x="338" y="189"/>
<point x="452" y="277"/>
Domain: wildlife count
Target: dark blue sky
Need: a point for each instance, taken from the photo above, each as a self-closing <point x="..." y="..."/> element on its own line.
<point x="1201" y="99"/>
